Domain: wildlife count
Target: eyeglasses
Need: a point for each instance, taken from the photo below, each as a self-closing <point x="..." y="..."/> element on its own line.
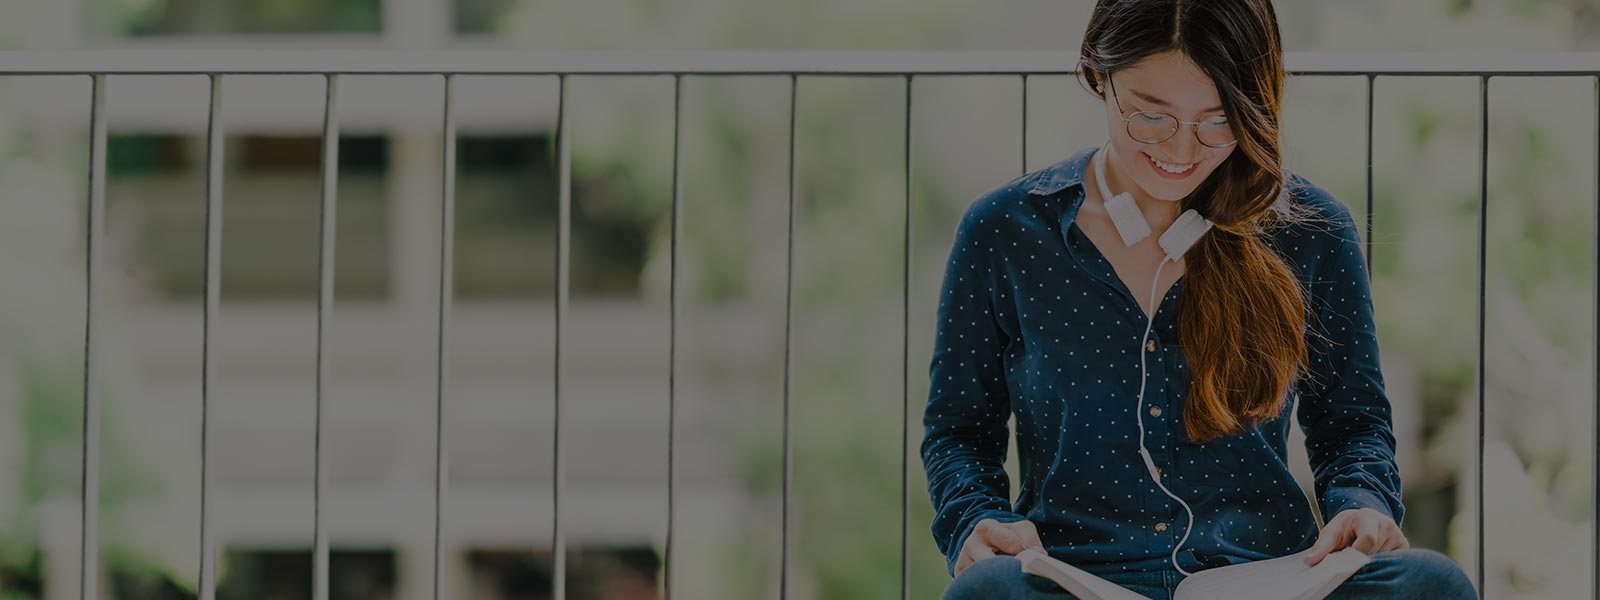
<point x="1156" y="127"/>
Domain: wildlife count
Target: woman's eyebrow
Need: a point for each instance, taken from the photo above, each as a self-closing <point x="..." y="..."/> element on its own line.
<point x="1159" y="102"/>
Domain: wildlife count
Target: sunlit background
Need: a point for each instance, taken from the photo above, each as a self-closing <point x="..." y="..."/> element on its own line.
<point x="845" y="381"/>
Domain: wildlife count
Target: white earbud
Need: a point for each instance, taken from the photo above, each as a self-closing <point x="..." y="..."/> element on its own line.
<point x="1130" y="221"/>
<point x="1183" y="233"/>
<point x="1125" y="214"/>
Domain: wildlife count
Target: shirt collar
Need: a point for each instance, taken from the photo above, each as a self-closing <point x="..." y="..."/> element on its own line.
<point x="1063" y="174"/>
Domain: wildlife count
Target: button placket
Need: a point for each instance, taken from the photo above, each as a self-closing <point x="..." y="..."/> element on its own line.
<point x="1157" y="431"/>
<point x="1155" y="395"/>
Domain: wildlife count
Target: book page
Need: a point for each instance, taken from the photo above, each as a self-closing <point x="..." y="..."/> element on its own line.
<point x="1282" y="578"/>
<point x="1081" y="583"/>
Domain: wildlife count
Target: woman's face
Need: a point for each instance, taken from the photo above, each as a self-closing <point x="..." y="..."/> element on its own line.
<point x="1167" y="82"/>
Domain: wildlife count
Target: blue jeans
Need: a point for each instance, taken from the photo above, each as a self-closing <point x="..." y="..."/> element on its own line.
<point x="1396" y="574"/>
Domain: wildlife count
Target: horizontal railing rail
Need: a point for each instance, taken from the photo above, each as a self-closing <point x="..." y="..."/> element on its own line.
<point x="464" y="62"/>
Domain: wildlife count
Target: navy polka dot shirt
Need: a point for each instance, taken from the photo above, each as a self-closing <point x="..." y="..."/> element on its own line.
<point x="1033" y="322"/>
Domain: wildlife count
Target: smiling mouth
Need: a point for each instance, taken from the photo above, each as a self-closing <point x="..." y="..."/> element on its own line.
<point x="1171" y="168"/>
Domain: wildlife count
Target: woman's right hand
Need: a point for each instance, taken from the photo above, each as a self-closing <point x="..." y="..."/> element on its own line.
<point x="991" y="537"/>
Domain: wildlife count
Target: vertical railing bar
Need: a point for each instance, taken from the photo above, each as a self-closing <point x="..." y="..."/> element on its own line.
<point x="672" y="329"/>
<point x="447" y="211"/>
<point x="563" y="243"/>
<point x="328" y="242"/>
<point x="905" y="375"/>
<point x="89" y="550"/>
<point x="788" y="347"/>
<point x="213" y="296"/>
<point x="1483" y="222"/>
<point x="1024" y="124"/>
<point x="1370" y="80"/>
<point x="1594" y="333"/>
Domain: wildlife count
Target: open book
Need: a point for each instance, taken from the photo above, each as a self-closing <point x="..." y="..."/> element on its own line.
<point x="1282" y="578"/>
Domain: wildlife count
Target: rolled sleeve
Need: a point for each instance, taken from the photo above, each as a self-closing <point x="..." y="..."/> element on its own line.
<point x="965" y="432"/>
<point x="1344" y="410"/>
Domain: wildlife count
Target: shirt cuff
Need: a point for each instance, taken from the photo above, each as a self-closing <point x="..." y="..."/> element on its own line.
<point x="1003" y="516"/>
<point x="1341" y="499"/>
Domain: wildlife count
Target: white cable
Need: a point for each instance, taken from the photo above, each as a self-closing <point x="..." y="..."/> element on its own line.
<point x="1138" y="416"/>
<point x="1180" y="235"/>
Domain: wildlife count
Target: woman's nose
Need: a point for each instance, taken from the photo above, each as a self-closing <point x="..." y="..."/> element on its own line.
<point x="1184" y="145"/>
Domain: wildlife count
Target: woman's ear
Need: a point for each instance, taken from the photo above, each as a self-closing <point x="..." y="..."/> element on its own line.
<point x="1092" y="79"/>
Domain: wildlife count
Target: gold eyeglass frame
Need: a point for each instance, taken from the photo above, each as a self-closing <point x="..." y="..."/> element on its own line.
<point x="1128" y="125"/>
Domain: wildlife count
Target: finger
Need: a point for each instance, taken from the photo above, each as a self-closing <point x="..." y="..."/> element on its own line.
<point x="976" y="552"/>
<point x="980" y="540"/>
<point x="1324" y="541"/>
<point x="1332" y="538"/>
<point x="1397" y="538"/>
<point x="1006" y="540"/>
<point x="963" y="562"/>
<point x="1394" y="540"/>
<point x="976" y="547"/>
<point x="1369" y="540"/>
<point x="1388" y="538"/>
<point x="1316" y="554"/>
<point x="1367" y="544"/>
<point x="1393" y="543"/>
<point x="1029" y="534"/>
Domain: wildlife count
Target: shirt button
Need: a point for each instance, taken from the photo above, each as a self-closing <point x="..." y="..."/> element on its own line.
<point x="1150" y="346"/>
<point x="1158" y="471"/>
<point x="1161" y="526"/>
<point x="1155" y="411"/>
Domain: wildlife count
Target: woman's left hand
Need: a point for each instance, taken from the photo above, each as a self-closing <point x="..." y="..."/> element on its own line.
<point x="1364" y="529"/>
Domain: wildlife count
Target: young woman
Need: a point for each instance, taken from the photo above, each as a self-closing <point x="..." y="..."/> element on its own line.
<point x="1049" y="312"/>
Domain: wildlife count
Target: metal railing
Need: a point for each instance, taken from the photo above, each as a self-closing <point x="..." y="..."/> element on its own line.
<point x="907" y="65"/>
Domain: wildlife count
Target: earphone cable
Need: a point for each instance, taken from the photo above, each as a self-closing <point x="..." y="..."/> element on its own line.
<point x="1138" y="417"/>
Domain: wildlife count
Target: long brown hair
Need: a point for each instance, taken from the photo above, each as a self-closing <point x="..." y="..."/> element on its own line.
<point x="1243" y="314"/>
